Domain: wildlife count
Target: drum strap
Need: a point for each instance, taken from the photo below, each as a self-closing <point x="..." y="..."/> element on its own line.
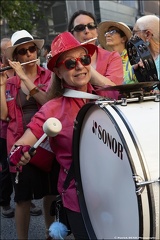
<point x="69" y="177"/>
<point x="79" y="94"/>
<point x="75" y="94"/>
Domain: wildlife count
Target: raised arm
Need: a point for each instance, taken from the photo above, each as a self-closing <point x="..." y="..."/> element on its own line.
<point x="109" y="69"/>
<point x="100" y="80"/>
<point x="32" y="89"/>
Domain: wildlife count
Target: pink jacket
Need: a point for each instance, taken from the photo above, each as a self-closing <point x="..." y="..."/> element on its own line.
<point x="15" y="126"/>
<point x="109" y="64"/>
<point x="65" y="109"/>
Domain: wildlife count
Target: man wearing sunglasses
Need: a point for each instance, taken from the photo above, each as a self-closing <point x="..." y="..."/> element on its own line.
<point x="147" y="28"/>
<point x="107" y="66"/>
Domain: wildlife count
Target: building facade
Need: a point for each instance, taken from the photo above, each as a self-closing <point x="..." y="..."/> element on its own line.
<point x="57" y="13"/>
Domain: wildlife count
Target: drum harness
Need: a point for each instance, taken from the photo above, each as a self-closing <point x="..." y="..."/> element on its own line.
<point x="75" y="94"/>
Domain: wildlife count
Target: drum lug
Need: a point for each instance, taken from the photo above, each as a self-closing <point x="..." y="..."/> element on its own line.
<point x="157" y="98"/>
<point x="124" y="102"/>
<point x="140" y="183"/>
<point x="75" y="124"/>
<point x="139" y="189"/>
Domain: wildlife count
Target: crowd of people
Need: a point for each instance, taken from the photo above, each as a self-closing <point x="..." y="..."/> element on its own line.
<point x="86" y="58"/>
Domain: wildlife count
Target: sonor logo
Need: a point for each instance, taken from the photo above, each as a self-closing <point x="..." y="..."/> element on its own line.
<point x="108" y="139"/>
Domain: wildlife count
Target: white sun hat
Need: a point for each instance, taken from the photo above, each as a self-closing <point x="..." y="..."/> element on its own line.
<point x="19" y="38"/>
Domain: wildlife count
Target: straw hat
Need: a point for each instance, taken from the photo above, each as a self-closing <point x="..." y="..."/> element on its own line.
<point x="21" y="37"/>
<point x="64" y="42"/>
<point x="104" y="26"/>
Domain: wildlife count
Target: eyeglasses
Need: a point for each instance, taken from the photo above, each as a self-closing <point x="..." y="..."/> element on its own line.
<point x="135" y="31"/>
<point x="112" y="32"/>
<point x="82" y="27"/>
<point x="71" y="63"/>
<point x="23" y="51"/>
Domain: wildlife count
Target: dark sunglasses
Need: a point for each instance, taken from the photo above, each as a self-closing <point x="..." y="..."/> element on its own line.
<point x="82" y="27"/>
<point x="71" y="63"/>
<point x="23" y="51"/>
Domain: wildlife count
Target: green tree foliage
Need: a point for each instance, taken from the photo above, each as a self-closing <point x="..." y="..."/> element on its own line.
<point x="20" y="14"/>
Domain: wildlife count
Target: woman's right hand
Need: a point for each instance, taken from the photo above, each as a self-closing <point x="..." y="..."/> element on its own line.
<point x="18" y="69"/>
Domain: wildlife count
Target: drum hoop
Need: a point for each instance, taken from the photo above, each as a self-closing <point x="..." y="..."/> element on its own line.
<point x="82" y="203"/>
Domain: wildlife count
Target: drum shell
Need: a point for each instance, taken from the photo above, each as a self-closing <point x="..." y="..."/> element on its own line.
<point x="111" y="203"/>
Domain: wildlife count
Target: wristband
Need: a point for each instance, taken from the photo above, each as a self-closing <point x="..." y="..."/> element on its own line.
<point x="32" y="92"/>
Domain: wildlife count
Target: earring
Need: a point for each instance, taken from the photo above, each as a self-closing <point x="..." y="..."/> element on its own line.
<point x="147" y="42"/>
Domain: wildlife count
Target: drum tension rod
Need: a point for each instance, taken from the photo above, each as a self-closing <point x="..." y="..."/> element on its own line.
<point x="147" y="182"/>
<point x="140" y="183"/>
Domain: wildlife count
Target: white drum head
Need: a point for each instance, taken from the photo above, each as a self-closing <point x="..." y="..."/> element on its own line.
<point x="104" y="165"/>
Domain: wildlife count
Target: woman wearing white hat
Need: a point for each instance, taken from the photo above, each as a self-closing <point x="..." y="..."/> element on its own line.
<point x="28" y="92"/>
<point x="113" y="36"/>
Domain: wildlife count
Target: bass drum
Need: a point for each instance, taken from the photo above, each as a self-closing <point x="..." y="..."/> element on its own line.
<point x="116" y="160"/>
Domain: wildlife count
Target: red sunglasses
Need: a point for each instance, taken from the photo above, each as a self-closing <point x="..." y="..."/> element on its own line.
<point x="71" y="63"/>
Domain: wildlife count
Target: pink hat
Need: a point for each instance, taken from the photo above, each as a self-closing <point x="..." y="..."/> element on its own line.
<point x="64" y="42"/>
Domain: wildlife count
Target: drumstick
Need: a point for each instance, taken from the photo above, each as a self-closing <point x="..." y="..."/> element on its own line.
<point x="9" y="67"/>
<point x="51" y="128"/>
<point x="90" y="40"/>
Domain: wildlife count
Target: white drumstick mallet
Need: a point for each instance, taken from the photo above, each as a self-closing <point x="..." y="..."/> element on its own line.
<point x="51" y="128"/>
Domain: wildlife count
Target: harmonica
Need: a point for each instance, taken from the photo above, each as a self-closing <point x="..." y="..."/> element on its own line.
<point x="9" y="67"/>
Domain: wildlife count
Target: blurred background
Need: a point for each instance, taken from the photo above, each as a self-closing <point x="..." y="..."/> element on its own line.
<point x="45" y="19"/>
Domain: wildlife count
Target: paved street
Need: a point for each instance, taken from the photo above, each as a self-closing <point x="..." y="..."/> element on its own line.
<point x="36" y="231"/>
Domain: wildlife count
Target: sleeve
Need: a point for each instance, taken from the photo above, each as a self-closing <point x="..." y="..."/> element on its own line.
<point x="36" y="124"/>
<point x="114" y="70"/>
<point x="109" y="64"/>
<point x="48" y="110"/>
<point x="44" y="80"/>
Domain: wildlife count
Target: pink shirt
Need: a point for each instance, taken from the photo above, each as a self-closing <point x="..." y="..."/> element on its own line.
<point x="109" y="64"/>
<point x="65" y="109"/>
<point x="3" y="129"/>
<point x="15" y="127"/>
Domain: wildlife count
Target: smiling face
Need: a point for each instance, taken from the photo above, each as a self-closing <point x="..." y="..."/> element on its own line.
<point x="78" y="76"/>
<point x="87" y="33"/>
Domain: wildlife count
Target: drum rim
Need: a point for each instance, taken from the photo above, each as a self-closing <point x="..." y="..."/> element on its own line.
<point x="78" y="180"/>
